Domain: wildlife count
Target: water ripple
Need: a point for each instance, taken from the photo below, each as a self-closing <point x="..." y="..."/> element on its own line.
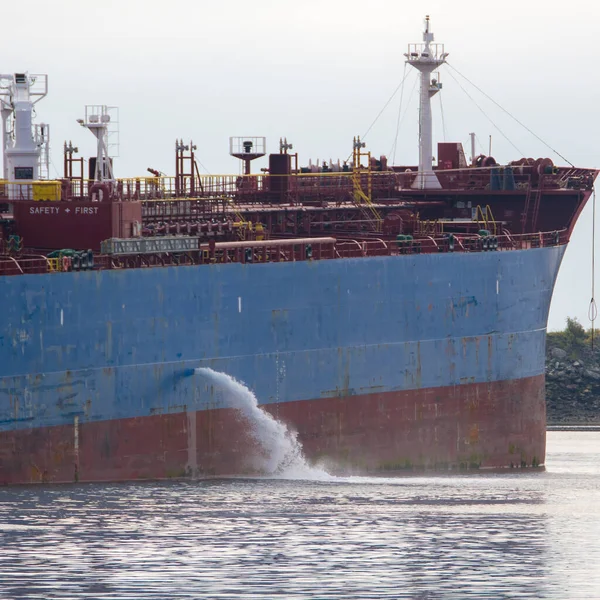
<point x="531" y="535"/>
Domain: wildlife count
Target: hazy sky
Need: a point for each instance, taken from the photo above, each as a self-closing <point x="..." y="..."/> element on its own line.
<point x="318" y="73"/>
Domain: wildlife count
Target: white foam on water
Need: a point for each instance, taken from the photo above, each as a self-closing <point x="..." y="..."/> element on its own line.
<point x="282" y="455"/>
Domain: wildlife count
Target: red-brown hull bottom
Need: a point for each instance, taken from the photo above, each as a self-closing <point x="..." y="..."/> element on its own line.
<point x="471" y="426"/>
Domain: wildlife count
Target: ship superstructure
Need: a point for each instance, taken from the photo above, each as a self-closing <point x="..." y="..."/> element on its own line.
<point x="394" y="315"/>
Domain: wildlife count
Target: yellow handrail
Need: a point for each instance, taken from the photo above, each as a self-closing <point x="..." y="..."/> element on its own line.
<point x="487" y="218"/>
<point x="491" y="219"/>
<point x="53" y="265"/>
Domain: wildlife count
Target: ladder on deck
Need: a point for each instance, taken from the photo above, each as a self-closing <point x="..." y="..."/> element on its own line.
<point x="486" y="218"/>
<point x="531" y="210"/>
<point x="363" y="200"/>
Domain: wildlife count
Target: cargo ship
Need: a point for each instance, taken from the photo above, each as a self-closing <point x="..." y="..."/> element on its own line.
<point x="394" y="316"/>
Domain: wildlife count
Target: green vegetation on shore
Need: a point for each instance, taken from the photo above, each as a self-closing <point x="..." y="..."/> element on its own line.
<point x="573" y="375"/>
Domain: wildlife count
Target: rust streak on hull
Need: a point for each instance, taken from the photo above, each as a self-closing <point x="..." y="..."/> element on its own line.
<point x="470" y="426"/>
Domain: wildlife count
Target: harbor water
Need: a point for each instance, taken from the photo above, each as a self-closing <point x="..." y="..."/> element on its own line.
<point x="513" y="535"/>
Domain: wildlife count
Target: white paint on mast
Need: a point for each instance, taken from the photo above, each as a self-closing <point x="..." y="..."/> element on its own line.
<point x="98" y="120"/>
<point x="23" y="143"/>
<point x="426" y="57"/>
<point x="6" y="112"/>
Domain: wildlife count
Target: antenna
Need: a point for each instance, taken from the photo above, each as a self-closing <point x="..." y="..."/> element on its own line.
<point x="284" y="146"/>
<point x="247" y="149"/>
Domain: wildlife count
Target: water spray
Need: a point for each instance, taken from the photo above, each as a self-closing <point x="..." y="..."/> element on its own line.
<point x="281" y="453"/>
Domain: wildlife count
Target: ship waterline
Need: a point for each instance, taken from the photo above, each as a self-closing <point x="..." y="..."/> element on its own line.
<point x="351" y="356"/>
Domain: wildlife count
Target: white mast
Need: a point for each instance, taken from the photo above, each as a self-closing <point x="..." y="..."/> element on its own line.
<point x="98" y="121"/>
<point x="426" y="57"/>
<point x="22" y="143"/>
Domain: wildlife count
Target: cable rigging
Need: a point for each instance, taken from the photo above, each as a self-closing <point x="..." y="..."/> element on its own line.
<point x="385" y="105"/>
<point x="398" y="119"/>
<point x="400" y="85"/>
<point x="395" y="144"/>
<point x="510" y="115"/>
<point x="442" y="112"/>
<point x="485" y="114"/>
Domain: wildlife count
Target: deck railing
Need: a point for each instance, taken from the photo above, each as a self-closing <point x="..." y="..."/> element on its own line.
<point x="281" y="250"/>
<point x="296" y="187"/>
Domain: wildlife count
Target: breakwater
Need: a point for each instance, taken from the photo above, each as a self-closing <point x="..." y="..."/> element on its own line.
<point x="573" y="377"/>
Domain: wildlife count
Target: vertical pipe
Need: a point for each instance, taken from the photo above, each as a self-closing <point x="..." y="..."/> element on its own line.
<point x="177" y="168"/>
<point x="81" y="176"/>
<point x="5" y="114"/>
<point x="192" y="175"/>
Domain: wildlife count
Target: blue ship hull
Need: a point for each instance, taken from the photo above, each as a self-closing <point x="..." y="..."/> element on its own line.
<point x="379" y="363"/>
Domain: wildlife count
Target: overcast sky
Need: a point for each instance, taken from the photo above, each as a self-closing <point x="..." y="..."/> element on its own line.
<point x="317" y="72"/>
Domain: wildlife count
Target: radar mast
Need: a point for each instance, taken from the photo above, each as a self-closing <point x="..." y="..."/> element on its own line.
<point x="426" y="57"/>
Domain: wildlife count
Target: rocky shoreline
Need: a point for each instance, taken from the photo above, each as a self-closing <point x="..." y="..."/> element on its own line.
<point x="572" y="377"/>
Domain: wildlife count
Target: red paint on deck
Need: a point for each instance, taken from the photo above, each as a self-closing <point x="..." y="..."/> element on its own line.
<point x="84" y="224"/>
<point x="487" y="425"/>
